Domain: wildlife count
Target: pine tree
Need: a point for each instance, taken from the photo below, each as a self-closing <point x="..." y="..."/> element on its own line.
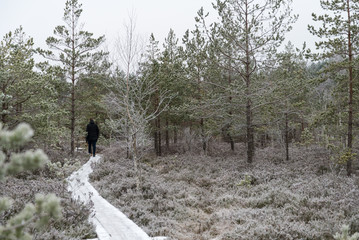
<point x="46" y="112"/>
<point x="340" y="30"/>
<point x="75" y="48"/>
<point x="18" y="82"/>
<point x="290" y="92"/>
<point x="171" y="79"/>
<point x="196" y="59"/>
<point x="251" y="30"/>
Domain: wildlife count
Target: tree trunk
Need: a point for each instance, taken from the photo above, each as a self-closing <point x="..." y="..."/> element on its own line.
<point x="128" y="141"/>
<point x="230" y="136"/>
<point x="72" y="127"/>
<point x="204" y="143"/>
<point x="175" y="135"/>
<point x="167" y="135"/>
<point x="136" y="163"/>
<point x="250" y="130"/>
<point x="230" y="104"/>
<point x="350" y="104"/>
<point x="286" y="138"/>
<point x="155" y="133"/>
<point x="73" y="80"/>
<point x="159" y="137"/>
<point x="232" y="142"/>
<point x="250" y="133"/>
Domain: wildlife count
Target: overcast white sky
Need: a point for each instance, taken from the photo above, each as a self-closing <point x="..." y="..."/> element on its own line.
<point x="39" y="17"/>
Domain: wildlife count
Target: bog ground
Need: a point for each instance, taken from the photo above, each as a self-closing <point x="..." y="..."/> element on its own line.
<point x="191" y="196"/>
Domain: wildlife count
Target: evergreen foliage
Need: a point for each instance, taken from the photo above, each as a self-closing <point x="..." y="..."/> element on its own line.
<point x="340" y="30"/>
<point x="45" y="207"/>
<point x="245" y="37"/>
<point x="75" y="52"/>
<point x="344" y="235"/>
<point x="19" y="84"/>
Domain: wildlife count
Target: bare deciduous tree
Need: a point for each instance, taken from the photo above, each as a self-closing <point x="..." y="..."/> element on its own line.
<point x="129" y="102"/>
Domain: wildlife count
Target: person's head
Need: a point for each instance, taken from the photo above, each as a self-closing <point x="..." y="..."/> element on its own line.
<point x="91" y="120"/>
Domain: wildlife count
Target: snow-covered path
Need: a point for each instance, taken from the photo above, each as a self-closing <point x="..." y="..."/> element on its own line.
<point x="111" y="224"/>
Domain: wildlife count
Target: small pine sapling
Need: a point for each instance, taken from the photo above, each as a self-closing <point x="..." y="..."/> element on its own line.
<point x="344" y="235"/>
<point x="46" y="207"/>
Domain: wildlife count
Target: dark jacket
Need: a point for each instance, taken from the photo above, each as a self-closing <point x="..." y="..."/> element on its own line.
<point x="92" y="131"/>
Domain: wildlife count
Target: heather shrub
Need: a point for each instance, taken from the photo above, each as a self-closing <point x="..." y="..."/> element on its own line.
<point x="219" y="196"/>
<point x="63" y="169"/>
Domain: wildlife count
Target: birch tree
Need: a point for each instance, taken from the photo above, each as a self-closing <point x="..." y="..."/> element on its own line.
<point x="150" y="69"/>
<point x="130" y="100"/>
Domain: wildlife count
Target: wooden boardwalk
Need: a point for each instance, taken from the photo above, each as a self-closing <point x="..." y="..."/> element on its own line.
<point x="111" y="224"/>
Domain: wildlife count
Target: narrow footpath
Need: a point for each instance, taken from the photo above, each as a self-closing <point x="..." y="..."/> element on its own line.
<point x="111" y="224"/>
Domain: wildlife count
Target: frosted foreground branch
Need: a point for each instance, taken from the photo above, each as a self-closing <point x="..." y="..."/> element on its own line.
<point x="110" y="223"/>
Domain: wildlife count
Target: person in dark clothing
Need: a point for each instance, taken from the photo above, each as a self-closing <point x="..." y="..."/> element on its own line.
<point x="92" y="135"/>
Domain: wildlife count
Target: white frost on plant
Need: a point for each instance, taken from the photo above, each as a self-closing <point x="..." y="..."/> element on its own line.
<point x="344" y="235"/>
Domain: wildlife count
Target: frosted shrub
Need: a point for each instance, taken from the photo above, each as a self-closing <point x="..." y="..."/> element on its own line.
<point x="248" y="181"/>
<point x="12" y="140"/>
<point x="273" y="198"/>
<point x="64" y="170"/>
<point x="198" y="197"/>
<point x="344" y="235"/>
<point x="45" y="207"/>
<point x="340" y="156"/>
<point x="307" y="137"/>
